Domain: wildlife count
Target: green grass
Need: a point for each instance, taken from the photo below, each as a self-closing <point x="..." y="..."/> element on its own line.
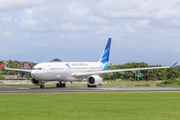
<point x="81" y="106"/>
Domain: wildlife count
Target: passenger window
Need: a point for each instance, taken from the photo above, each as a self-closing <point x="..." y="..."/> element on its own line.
<point x="39" y="69"/>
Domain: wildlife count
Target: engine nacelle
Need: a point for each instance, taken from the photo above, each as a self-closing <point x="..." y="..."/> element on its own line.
<point x="94" y="80"/>
<point x="35" y="82"/>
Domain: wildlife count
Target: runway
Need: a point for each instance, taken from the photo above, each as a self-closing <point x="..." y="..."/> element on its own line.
<point x="82" y="89"/>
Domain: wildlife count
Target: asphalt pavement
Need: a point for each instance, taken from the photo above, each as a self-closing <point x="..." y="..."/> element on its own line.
<point x="82" y="89"/>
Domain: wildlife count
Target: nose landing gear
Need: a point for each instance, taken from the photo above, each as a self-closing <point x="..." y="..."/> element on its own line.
<point x="41" y="83"/>
<point x="42" y="86"/>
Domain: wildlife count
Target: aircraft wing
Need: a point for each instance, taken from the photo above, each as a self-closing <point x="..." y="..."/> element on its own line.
<point x="22" y="70"/>
<point x="110" y="64"/>
<point x="111" y="71"/>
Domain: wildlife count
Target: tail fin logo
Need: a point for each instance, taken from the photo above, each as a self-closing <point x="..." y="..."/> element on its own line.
<point x="105" y="56"/>
<point x="68" y="65"/>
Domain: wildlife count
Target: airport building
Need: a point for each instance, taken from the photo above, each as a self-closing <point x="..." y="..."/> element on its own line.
<point x="27" y="65"/>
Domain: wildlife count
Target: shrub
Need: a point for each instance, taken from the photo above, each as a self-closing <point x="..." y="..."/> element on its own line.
<point x="130" y="79"/>
<point x="177" y="82"/>
<point x="158" y="84"/>
<point x="165" y="82"/>
<point x="172" y="82"/>
<point x="121" y="77"/>
<point x="168" y="81"/>
<point x="2" y="78"/>
<point x="138" y="85"/>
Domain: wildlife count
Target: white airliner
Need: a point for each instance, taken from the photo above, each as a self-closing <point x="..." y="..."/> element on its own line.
<point x="75" y="71"/>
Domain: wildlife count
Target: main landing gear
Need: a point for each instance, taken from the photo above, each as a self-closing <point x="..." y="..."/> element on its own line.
<point x="58" y="85"/>
<point x="61" y="85"/>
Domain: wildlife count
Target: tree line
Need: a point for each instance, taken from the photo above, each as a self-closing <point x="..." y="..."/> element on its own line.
<point x="153" y="74"/>
<point x="158" y="74"/>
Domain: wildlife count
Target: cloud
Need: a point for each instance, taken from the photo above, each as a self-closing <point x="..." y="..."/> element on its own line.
<point x="6" y="34"/>
<point x="27" y="20"/>
<point x="129" y="28"/>
<point x="79" y="24"/>
<point x="11" y="5"/>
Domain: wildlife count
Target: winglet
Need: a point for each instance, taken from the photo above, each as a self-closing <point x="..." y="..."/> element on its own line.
<point x="5" y="66"/>
<point x="110" y="63"/>
<point x="175" y="64"/>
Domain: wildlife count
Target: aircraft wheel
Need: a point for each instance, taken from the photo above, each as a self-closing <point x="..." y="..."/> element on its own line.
<point x="42" y="86"/>
<point x="64" y="85"/>
<point x="91" y="85"/>
<point x="57" y="85"/>
<point x="60" y="85"/>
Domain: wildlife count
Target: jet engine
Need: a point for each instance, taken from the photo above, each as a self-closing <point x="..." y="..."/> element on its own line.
<point x="35" y="82"/>
<point x="94" y="80"/>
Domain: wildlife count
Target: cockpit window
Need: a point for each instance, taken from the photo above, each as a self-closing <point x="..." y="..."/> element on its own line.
<point x="37" y="68"/>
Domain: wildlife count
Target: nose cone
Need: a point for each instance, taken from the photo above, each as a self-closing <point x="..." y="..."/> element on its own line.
<point x="34" y="74"/>
<point x="38" y="74"/>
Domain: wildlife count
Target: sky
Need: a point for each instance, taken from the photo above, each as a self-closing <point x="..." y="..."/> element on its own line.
<point x="77" y="30"/>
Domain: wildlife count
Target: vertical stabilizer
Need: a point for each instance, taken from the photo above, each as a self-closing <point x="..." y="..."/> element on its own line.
<point x="105" y="55"/>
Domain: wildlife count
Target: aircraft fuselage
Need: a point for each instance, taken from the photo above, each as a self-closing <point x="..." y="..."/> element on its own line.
<point x="62" y="71"/>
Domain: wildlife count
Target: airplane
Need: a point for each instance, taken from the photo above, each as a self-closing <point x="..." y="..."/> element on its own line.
<point x="63" y="72"/>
